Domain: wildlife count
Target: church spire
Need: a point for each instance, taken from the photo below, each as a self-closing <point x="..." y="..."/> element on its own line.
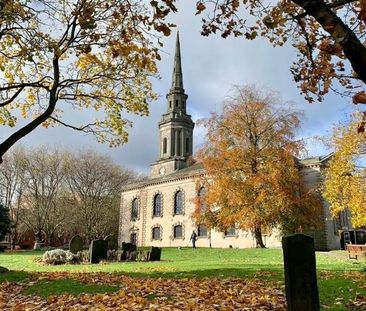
<point x="177" y="79"/>
<point x="176" y="126"/>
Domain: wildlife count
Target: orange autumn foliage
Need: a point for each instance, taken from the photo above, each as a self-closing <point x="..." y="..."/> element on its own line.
<point x="253" y="179"/>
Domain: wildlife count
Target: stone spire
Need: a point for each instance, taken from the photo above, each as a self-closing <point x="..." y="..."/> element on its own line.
<point x="176" y="126"/>
<point x="177" y="79"/>
<point x="176" y="96"/>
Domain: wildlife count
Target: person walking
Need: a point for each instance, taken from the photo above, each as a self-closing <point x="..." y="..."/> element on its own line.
<point x="194" y="238"/>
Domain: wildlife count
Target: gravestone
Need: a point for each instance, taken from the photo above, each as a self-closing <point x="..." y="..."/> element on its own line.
<point x="155" y="253"/>
<point x="76" y="244"/>
<point x="131" y="256"/>
<point x="127" y="249"/>
<point x="112" y="241"/>
<point x="98" y="250"/>
<point x="300" y="273"/>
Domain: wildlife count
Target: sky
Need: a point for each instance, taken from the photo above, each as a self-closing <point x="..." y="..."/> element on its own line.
<point x="211" y="67"/>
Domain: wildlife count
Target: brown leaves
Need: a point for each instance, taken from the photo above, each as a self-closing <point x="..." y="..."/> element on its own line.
<point x="359" y="98"/>
<point x="318" y="44"/>
<point x="200" y="7"/>
<point x="151" y="294"/>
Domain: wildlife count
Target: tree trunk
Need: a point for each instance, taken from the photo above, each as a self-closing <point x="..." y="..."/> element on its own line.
<point x="353" y="49"/>
<point x="258" y="237"/>
<point x="28" y="128"/>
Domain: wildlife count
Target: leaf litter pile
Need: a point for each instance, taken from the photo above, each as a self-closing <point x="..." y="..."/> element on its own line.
<point x="148" y="294"/>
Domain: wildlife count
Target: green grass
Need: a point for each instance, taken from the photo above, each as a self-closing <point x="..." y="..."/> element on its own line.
<point x="187" y="262"/>
<point x="239" y="263"/>
<point x="337" y="291"/>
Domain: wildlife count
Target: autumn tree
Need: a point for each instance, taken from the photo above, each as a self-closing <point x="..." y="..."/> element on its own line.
<point x="328" y="36"/>
<point x="253" y="180"/>
<point x="94" y="183"/>
<point x="93" y="55"/>
<point x="345" y="177"/>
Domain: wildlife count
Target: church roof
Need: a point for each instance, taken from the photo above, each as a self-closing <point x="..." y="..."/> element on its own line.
<point x="197" y="169"/>
<point x="194" y="170"/>
<point x="315" y="160"/>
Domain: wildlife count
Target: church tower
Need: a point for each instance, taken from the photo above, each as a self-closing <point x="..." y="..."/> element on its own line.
<point x="176" y="126"/>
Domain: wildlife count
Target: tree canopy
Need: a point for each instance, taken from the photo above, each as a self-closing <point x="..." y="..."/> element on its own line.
<point x="78" y="54"/>
<point x="328" y="36"/>
<point x="253" y="179"/>
<point x="345" y="177"/>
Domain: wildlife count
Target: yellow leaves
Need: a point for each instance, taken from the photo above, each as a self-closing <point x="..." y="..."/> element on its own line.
<point x="6" y="118"/>
<point x="104" y="64"/>
<point x="86" y="60"/>
<point x="345" y="178"/>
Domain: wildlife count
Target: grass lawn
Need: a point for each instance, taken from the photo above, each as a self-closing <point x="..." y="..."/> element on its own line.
<point x="339" y="279"/>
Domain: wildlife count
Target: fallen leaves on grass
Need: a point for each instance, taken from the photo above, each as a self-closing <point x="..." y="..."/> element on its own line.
<point x="359" y="303"/>
<point x="150" y="294"/>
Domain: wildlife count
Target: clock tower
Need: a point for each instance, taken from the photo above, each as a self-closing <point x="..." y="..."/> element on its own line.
<point x="176" y="126"/>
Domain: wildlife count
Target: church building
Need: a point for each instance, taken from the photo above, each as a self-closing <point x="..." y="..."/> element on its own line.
<point x="158" y="211"/>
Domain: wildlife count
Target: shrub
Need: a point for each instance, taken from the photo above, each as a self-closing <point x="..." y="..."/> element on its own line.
<point x="59" y="257"/>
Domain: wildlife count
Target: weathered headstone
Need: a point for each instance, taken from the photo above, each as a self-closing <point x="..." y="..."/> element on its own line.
<point x="98" y="250"/>
<point x="300" y="273"/>
<point x="131" y="256"/>
<point x="112" y="241"/>
<point x="37" y="245"/>
<point x="155" y="253"/>
<point x="76" y="244"/>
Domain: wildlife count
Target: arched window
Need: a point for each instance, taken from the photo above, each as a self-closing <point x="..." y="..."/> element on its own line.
<point x="135" y="209"/>
<point x="176" y="103"/>
<point x="156" y="233"/>
<point x="165" y="144"/>
<point x="202" y="197"/>
<point x="202" y="231"/>
<point x="157" y="205"/>
<point x="178" y="203"/>
<point x="178" y="232"/>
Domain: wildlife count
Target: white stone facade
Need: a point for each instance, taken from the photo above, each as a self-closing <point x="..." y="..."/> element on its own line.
<point x="185" y="181"/>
